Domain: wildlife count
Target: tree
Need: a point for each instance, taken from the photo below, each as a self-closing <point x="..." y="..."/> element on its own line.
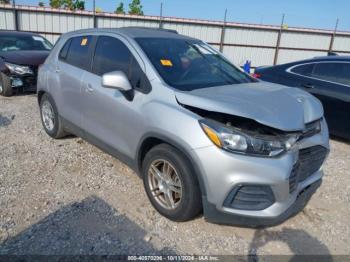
<point x="135" y="8"/>
<point x="79" y="5"/>
<point x="68" y="4"/>
<point x="56" y="3"/>
<point x="41" y="4"/>
<point x="98" y="10"/>
<point x="5" y="1"/>
<point x="120" y="9"/>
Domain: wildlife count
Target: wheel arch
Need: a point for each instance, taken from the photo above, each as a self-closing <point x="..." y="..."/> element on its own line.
<point x="40" y="95"/>
<point x="153" y="139"/>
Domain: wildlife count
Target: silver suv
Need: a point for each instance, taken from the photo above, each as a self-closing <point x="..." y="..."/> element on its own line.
<point x="202" y="134"/>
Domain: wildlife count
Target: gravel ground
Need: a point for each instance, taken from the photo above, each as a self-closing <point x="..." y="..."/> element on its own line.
<point x="68" y="197"/>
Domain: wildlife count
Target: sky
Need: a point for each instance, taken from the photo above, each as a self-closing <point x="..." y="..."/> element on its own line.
<point x="300" y="13"/>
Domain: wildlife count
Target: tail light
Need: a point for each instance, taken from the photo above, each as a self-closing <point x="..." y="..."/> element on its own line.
<point x="257" y="75"/>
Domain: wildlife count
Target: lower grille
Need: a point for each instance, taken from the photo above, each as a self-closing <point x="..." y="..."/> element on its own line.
<point x="310" y="161"/>
<point x="250" y="197"/>
<point x="29" y="81"/>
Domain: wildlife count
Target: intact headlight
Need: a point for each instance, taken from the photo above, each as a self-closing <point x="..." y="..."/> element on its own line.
<point x="19" y="69"/>
<point x="238" y="141"/>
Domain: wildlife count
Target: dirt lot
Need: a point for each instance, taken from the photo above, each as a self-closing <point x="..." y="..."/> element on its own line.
<point x="68" y="197"/>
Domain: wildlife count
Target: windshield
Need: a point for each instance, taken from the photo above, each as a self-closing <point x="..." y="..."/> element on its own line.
<point x="189" y="64"/>
<point x="24" y="43"/>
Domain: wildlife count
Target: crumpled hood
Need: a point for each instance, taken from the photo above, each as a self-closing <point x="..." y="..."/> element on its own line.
<point x="34" y="58"/>
<point x="273" y="105"/>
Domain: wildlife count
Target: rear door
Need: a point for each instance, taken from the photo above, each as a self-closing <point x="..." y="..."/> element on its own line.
<point x="329" y="81"/>
<point x="74" y="59"/>
<point x="333" y="79"/>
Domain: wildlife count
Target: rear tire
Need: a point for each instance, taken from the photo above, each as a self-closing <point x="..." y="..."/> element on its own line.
<point x="50" y="118"/>
<point x="5" y="85"/>
<point x="177" y="182"/>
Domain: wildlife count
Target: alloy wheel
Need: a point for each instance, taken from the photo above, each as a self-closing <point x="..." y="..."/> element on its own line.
<point x="165" y="184"/>
<point x="48" y="115"/>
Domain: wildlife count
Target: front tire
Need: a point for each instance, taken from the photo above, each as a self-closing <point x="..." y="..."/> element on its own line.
<point x="170" y="183"/>
<point x="5" y="85"/>
<point x="50" y="118"/>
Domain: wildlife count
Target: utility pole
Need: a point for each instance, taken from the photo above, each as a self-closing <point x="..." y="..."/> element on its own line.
<point x="15" y="15"/>
<point x="278" y="41"/>
<point x="94" y="13"/>
<point x="223" y="29"/>
<point x="333" y="36"/>
<point x="161" y="16"/>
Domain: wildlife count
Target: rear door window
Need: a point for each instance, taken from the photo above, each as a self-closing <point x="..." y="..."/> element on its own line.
<point x="336" y="72"/>
<point x="305" y="70"/>
<point x="78" y="52"/>
<point x="111" y="54"/>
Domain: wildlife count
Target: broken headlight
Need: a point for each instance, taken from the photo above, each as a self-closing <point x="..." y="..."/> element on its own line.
<point x="236" y="140"/>
<point x="19" y="69"/>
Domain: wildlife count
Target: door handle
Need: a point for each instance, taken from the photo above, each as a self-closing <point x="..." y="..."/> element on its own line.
<point x="308" y="85"/>
<point x="89" y="88"/>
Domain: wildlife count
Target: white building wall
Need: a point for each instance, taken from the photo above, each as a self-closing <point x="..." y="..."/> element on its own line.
<point x="242" y="42"/>
<point x="342" y="43"/>
<point x="305" y="40"/>
<point x="286" y="56"/>
<point x="244" y="36"/>
<point x="258" y="56"/>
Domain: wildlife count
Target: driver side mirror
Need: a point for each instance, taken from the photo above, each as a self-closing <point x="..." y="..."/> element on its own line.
<point x="116" y="80"/>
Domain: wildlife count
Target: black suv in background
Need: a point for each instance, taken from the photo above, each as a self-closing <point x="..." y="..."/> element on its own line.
<point x="20" y="55"/>
<point x="328" y="78"/>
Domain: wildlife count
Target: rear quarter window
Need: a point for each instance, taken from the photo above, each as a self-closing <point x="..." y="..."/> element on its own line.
<point x="64" y="51"/>
<point x="305" y="70"/>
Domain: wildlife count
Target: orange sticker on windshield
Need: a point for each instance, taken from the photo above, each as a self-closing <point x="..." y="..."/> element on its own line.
<point x="166" y="62"/>
<point x="84" y="41"/>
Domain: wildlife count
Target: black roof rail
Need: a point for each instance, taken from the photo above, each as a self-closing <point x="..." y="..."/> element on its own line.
<point x="152" y="28"/>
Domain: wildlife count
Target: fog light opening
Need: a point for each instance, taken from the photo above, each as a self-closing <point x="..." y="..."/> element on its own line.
<point x="16" y="82"/>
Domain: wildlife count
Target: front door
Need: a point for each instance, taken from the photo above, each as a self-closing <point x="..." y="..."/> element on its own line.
<point x="110" y="116"/>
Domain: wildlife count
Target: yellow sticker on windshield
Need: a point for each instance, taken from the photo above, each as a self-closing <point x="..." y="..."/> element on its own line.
<point x="84" y="41"/>
<point x="166" y="62"/>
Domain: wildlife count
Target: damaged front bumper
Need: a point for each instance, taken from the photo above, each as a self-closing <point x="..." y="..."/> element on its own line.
<point x="255" y="191"/>
<point x="23" y="82"/>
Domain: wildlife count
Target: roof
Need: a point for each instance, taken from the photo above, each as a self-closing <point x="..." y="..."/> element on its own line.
<point x="16" y="33"/>
<point x="136" y="32"/>
<point x="320" y="59"/>
<point x="332" y="57"/>
<point x="315" y="59"/>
